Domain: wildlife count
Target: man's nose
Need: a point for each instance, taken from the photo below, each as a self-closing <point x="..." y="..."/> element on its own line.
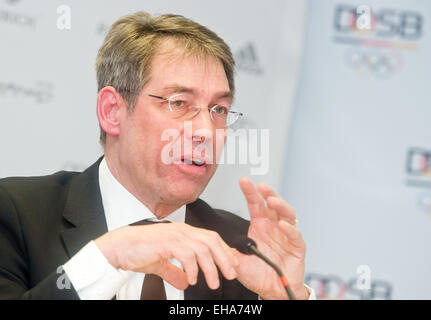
<point x="203" y="126"/>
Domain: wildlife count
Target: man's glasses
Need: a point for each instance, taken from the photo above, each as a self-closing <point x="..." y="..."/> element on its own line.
<point x="181" y="106"/>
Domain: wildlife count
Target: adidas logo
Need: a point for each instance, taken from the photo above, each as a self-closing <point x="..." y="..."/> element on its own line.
<point x="246" y="59"/>
<point x="12" y="2"/>
<point x="102" y="29"/>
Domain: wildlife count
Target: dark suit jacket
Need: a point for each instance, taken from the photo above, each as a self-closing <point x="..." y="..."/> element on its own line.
<point x="44" y="221"/>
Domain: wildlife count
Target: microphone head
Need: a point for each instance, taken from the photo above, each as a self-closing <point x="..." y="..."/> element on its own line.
<point x="243" y="244"/>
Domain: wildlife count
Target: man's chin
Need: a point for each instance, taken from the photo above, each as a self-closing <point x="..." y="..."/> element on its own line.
<point x="187" y="192"/>
<point x="190" y="196"/>
<point x="186" y="188"/>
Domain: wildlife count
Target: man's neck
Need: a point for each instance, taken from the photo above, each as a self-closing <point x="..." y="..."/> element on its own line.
<point x="158" y="208"/>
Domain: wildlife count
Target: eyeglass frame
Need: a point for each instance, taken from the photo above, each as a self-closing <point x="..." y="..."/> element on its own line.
<point x="198" y="108"/>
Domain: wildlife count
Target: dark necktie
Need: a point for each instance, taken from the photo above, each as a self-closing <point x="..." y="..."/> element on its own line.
<point x="153" y="287"/>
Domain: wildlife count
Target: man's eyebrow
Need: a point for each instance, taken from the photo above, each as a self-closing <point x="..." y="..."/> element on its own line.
<point x="182" y="89"/>
<point x="225" y="94"/>
<point x="177" y="88"/>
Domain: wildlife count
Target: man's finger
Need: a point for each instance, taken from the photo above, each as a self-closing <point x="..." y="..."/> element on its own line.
<point x="194" y="252"/>
<point x="173" y="275"/>
<point x="249" y="191"/>
<point x="276" y="202"/>
<point x="256" y="203"/>
<point x="284" y="210"/>
<point x="220" y="252"/>
<point x="187" y="258"/>
<point x="207" y="265"/>
<point x="266" y="191"/>
<point x="294" y="236"/>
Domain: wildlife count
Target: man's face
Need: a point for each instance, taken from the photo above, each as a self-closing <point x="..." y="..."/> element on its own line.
<point x="140" y="141"/>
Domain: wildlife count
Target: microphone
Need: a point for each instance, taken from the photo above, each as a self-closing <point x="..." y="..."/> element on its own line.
<point x="247" y="246"/>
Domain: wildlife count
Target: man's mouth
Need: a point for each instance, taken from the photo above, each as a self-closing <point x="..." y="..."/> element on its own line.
<point x="193" y="166"/>
<point x="195" y="162"/>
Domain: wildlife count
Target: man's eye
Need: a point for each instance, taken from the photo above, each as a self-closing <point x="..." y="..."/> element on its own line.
<point x="220" y="110"/>
<point x="178" y="103"/>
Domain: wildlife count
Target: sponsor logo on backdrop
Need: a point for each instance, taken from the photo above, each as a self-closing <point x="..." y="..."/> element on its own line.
<point x="247" y="60"/>
<point x="102" y="29"/>
<point x="12" y="2"/>
<point x="418" y="167"/>
<point x="333" y="287"/>
<point x="10" y="15"/>
<point x="418" y="171"/>
<point x="378" y="41"/>
<point x="378" y="63"/>
<point x="41" y="92"/>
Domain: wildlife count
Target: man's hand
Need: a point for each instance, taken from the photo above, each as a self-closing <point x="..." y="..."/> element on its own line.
<point x="148" y="248"/>
<point x="272" y="226"/>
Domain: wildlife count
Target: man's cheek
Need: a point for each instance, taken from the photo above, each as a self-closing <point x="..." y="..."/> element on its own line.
<point x="170" y="146"/>
<point x="219" y="143"/>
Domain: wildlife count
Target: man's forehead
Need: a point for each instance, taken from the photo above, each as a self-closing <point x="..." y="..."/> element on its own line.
<point x="165" y="61"/>
<point x="173" y="52"/>
<point x="179" y="71"/>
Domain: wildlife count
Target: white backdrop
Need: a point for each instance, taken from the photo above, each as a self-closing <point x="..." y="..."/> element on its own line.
<point x="359" y="150"/>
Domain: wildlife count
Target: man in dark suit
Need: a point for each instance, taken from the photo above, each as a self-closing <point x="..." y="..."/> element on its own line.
<point x="165" y="93"/>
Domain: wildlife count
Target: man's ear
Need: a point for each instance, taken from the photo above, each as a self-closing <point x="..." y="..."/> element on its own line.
<point x="110" y="104"/>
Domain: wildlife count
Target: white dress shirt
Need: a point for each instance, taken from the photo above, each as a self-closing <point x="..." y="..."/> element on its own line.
<point x="92" y="276"/>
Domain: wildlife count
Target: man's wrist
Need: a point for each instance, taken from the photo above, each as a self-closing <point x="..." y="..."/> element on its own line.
<point x="92" y="275"/>
<point x="108" y="250"/>
<point x="301" y="292"/>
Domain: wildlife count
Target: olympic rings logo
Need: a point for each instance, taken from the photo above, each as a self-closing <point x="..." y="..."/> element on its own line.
<point x="378" y="63"/>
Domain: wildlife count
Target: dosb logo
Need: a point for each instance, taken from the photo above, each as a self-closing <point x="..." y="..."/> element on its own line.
<point x="384" y="23"/>
<point x="418" y="170"/>
<point x="332" y="287"/>
<point x="418" y="162"/>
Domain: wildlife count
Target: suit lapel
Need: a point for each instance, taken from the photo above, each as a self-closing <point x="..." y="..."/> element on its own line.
<point x="84" y="210"/>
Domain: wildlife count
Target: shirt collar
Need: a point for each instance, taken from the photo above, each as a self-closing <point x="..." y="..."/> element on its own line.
<point x="121" y="207"/>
